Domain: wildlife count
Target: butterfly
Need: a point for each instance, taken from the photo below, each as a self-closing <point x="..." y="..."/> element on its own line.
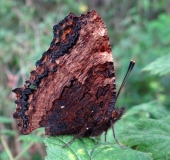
<point x="72" y="91"/>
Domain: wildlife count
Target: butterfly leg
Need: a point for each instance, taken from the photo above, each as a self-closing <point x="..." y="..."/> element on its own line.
<point x="105" y="136"/>
<point x="70" y="141"/>
<point x="115" y="135"/>
<point x="81" y="134"/>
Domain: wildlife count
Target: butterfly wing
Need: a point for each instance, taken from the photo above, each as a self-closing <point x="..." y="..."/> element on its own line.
<point x="73" y="85"/>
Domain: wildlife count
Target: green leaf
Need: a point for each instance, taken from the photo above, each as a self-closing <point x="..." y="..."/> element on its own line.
<point x="87" y="149"/>
<point x="30" y="138"/>
<point x="110" y="152"/>
<point x="78" y="149"/>
<point x="161" y="66"/>
<point x="5" y="119"/>
<point x="149" y="135"/>
<point x="7" y="132"/>
<point x="151" y="109"/>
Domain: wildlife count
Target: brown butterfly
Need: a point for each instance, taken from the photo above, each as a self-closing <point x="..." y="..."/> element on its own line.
<point x="72" y="91"/>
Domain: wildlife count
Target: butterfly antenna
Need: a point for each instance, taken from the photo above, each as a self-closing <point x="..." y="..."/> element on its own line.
<point x="131" y="65"/>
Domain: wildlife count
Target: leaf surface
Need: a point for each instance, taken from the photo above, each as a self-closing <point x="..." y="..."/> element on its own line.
<point x="86" y="149"/>
<point x="160" y="66"/>
<point x="150" y="135"/>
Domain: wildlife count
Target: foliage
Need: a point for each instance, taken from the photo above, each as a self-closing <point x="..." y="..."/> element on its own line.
<point x="138" y="30"/>
<point x="161" y="66"/>
<point x="85" y="148"/>
<point x="151" y="136"/>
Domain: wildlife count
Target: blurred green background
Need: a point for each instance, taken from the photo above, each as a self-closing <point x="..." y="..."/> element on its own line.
<point x="138" y="30"/>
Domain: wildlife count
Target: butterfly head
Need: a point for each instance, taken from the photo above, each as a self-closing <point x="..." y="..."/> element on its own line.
<point x="117" y="114"/>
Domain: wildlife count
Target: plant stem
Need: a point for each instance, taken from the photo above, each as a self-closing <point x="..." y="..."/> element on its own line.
<point x="6" y="148"/>
<point x="23" y="151"/>
<point x="26" y="148"/>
